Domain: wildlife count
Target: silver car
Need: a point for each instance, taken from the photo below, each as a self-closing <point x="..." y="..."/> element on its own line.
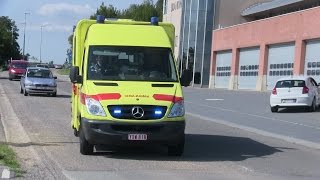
<point x="38" y="80"/>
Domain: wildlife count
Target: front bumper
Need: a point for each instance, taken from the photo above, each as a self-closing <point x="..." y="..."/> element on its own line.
<point x="41" y="90"/>
<point x="15" y="75"/>
<point x="116" y="133"/>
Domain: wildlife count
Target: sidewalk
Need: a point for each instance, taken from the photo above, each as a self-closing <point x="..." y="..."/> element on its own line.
<point x="5" y="173"/>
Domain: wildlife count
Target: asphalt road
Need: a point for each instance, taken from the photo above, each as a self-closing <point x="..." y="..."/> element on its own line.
<point x="252" y="110"/>
<point x="212" y="151"/>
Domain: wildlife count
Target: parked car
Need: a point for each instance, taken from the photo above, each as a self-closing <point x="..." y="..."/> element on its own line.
<point x="43" y="65"/>
<point x="295" y="92"/>
<point x="38" y="80"/>
<point x="17" y="68"/>
<point x="57" y="66"/>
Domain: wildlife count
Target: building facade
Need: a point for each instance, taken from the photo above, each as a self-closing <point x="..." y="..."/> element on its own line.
<point x="281" y="39"/>
<point x="254" y="42"/>
<point x="194" y="21"/>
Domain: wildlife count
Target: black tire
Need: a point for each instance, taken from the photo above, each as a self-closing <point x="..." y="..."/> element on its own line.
<point x="177" y="149"/>
<point x="274" y="109"/>
<point x="21" y="90"/>
<point x="54" y="94"/>
<point x="11" y="77"/>
<point x="85" y="147"/>
<point x="25" y="93"/>
<point x="75" y="132"/>
<point x="313" y="106"/>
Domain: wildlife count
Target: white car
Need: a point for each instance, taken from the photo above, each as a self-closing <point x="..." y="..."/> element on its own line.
<point x="293" y="91"/>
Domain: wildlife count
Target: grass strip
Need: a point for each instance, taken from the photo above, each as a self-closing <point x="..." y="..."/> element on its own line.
<point x="9" y="159"/>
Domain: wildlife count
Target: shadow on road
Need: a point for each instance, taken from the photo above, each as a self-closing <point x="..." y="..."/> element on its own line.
<point x="296" y="110"/>
<point x="200" y="148"/>
<point x="63" y="96"/>
<point x="58" y="95"/>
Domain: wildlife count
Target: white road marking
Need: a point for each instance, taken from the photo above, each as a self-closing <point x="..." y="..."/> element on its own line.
<point x="254" y="115"/>
<point x="214" y="99"/>
<point x="5" y="174"/>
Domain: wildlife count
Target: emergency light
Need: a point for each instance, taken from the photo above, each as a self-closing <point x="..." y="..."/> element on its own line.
<point x="154" y="21"/>
<point x="157" y="112"/>
<point x="100" y="19"/>
<point x="117" y="111"/>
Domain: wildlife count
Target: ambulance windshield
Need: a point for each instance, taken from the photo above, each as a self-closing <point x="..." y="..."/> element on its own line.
<point x="131" y="64"/>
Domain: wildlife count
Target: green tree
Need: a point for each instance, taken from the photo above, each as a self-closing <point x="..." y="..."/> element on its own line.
<point x="138" y="12"/>
<point x="109" y="12"/>
<point x="144" y="11"/>
<point x="9" y="47"/>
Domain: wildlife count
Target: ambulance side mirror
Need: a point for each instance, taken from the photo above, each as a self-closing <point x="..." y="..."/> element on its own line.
<point x="74" y="75"/>
<point x="186" y="77"/>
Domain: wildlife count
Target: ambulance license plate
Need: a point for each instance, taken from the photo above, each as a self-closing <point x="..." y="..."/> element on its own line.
<point x="137" y="137"/>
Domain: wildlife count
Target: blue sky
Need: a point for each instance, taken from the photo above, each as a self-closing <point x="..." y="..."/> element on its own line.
<point x="59" y="16"/>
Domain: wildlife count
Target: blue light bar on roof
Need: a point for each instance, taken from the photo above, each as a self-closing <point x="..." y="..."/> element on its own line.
<point x="154" y="21"/>
<point x="100" y="19"/>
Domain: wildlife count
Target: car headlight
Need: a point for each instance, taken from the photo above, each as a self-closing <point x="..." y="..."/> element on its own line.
<point x="12" y="70"/>
<point x="94" y="107"/>
<point x="177" y="109"/>
<point x="28" y="83"/>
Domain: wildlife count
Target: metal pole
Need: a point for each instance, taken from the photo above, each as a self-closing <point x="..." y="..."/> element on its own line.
<point x="40" y="42"/>
<point x="24" y="32"/>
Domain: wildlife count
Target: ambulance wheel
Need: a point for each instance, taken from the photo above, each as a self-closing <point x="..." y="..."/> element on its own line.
<point x="85" y="147"/>
<point x="177" y="149"/>
<point x="75" y="132"/>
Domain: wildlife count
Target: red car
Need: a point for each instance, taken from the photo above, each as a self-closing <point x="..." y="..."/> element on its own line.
<point x="17" y="68"/>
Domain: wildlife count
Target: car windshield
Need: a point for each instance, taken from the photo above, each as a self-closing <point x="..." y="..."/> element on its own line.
<point x="290" y="83"/>
<point x="19" y="65"/>
<point x="39" y="73"/>
<point x="131" y="64"/>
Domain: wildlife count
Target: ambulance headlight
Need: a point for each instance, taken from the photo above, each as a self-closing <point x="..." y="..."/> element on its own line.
<point x="177" y="109"/>
<point x="94" y="107"/>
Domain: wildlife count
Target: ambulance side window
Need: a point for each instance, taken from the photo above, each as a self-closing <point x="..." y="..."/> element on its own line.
<point x="83" y="61"/>
<point x="74" y="51"/>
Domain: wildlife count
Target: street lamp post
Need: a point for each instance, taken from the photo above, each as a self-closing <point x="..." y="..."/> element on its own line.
<point x="41" y="27"/>
<point x="41" y="41"/>
<point x="24" y="31"/>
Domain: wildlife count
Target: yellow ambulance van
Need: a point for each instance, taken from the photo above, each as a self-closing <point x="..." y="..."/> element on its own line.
<point x="125" y="85"/>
